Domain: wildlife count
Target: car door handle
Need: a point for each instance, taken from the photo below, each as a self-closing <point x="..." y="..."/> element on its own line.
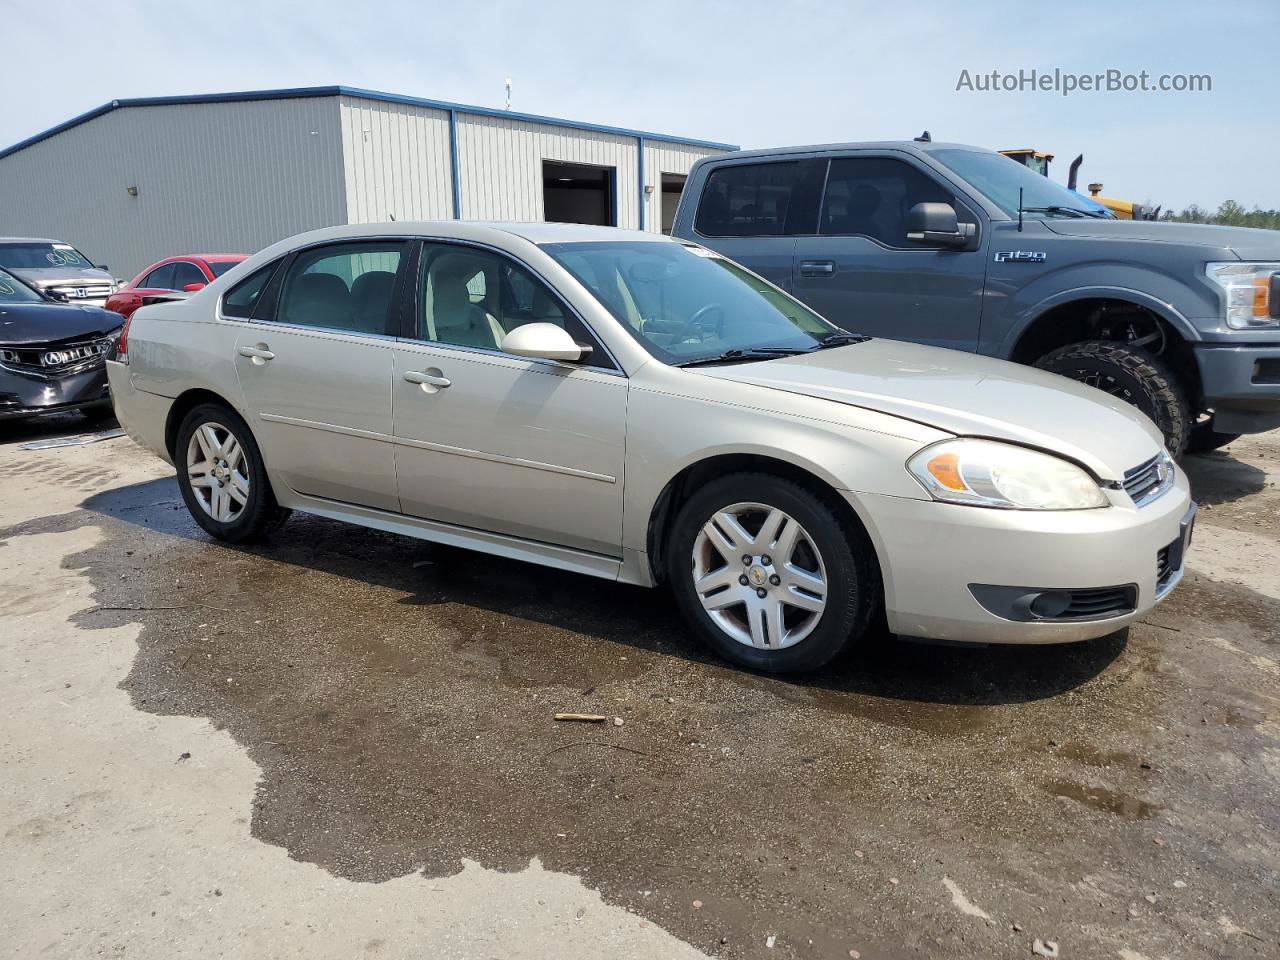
<point x="428" y="379"/>
<point x="257" y="353"/>
<point x="817" y="268"/>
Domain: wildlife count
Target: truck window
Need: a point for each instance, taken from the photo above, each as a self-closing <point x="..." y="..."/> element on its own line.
<point x="761" y="199"/>
<point x="870" y="197"/>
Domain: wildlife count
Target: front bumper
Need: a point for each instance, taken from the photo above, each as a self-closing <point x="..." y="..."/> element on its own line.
<point x="932" y="554"/>
<point x="26" y="395"/>
<point x="1241" y="384"/>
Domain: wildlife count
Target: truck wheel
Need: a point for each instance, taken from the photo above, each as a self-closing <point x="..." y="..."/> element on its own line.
<point x="1132" y="375"/>
<point x="1205" y="439"/>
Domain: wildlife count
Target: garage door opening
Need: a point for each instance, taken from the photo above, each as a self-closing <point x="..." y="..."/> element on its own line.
<point x="672" y="187"/>
<point x="573" y="193"/>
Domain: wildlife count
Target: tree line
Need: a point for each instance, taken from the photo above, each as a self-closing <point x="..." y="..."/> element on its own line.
<point x="1229" y="214"/>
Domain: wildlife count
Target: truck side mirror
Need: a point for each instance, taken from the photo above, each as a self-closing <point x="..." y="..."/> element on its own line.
<point x="936" y="223"/>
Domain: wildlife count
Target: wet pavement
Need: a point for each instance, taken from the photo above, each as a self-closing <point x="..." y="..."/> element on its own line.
<point x="1120" y="798"/>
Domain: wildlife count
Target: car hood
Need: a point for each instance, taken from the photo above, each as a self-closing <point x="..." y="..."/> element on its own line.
<point x="966" y="395"/>
<point x="53" y="322"/>
<point x="57" y="276"/>
<point x="1244" y="242"/>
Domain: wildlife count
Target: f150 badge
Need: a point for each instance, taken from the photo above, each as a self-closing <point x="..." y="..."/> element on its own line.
<point x="1021" y="256"/>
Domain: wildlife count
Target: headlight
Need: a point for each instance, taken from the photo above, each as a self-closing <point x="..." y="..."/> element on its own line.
<point x="984" y="473"/>
<point x="1252" y="292"/>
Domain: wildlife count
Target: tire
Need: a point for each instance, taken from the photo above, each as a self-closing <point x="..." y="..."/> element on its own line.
<point x="1132" y="375"/>
<point x="823" y="550"/>
<point x="225" y="487"/>
<point x="1205" y="439"/>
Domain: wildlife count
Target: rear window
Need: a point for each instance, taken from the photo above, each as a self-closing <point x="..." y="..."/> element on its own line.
<point x="777" y="198"/>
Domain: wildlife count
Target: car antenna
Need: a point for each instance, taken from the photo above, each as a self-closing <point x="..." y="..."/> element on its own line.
<point x="1019" y="209"/>
<point x="924" y="138"/>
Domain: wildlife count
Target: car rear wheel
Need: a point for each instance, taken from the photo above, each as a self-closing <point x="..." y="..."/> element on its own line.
<point x="768" y="574"/>
<point x="222" y="477"/>
<point x="1132" y="375"/>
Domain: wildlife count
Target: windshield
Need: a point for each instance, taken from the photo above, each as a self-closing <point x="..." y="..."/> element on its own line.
<point x="685" y="303"/>
<point x="13" y="290"/>
<point x="1000" y="179"/>
<point x="219" y="267"/>
<point x="42" y="256"/>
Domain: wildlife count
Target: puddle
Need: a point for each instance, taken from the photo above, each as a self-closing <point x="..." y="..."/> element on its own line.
<point x="1108" y="801"/>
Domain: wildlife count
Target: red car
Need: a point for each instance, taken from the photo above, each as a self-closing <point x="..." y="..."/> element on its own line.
<point x="188" y="273"/>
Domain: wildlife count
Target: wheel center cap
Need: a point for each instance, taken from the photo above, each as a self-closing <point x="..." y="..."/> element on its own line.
<point x="757" y="576"/>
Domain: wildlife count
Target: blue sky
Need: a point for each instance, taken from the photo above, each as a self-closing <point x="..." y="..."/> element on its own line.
<point x="754" y="73"/>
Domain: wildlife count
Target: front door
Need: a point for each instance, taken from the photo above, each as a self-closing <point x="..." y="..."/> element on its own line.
<point x="861" y="272"/>
<point x="527" y="448"/>
<point x="317" y="374"/>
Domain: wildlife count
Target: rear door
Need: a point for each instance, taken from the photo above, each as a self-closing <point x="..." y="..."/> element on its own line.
<point x="859" y="270"/>
<point x="315" y="367"/>
<point x="751" y="212"/>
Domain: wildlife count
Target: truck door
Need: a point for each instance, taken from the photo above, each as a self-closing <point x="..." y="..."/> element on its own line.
<point x="861" y="272"/>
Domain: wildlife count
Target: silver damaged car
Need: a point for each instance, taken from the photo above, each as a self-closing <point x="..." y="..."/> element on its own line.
<point x="628" y="406"/>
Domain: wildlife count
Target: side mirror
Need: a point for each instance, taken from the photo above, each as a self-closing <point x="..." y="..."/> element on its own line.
<point x="936" y="223"/>
<point x="193" y="287"/>
<point x="543" y="341"/>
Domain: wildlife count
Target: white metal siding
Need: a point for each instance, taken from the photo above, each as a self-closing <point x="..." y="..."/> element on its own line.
<point x="396" y="161"/>
<point x="661" y="157"/>
<point x="500" y="166"/>
<point x="211" y="178"/>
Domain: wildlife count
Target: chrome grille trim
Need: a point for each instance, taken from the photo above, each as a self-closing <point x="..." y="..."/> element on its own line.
<point x="1149" y="479"/>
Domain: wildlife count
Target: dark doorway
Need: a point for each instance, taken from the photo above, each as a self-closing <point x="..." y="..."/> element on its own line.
<point x="574" y="193"/>
<point x="672" y="187"/>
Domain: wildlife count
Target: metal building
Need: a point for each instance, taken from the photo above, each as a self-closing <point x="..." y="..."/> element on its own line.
<point x="137" y="180"/>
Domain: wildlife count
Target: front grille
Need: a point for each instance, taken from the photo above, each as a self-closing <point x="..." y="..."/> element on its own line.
<point x="55" y="360"/>
<point x="74" y="292"/>
<point x="1149" y="479"/>
<point x="1104" y="602"/>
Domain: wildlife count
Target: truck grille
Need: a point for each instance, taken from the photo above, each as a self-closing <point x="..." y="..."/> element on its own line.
<point x="55" y="360"/>
<point x="1148" y="479"/>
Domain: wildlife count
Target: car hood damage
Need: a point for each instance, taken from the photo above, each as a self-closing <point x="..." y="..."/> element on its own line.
<point x="967" y="396"/>
<point x="33" y="323"/>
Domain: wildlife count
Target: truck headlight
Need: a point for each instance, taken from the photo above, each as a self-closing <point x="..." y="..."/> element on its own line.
<point x="985" y="473"/>
<point x="1251" y="291"/>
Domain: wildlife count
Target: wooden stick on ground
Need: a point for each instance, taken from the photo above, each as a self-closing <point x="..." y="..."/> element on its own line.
<point x="582" y="717"/>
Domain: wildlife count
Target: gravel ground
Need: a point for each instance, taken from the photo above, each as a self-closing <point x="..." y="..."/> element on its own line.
<point x="341" y="743"/>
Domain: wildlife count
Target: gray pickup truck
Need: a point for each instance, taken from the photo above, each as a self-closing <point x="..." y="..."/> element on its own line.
<point x="961" y="247"/>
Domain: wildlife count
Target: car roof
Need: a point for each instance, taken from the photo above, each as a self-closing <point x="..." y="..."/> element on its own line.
<point x="30" y="240"/>
<point x="476" y="230"/>
<point x="908" y="145"/>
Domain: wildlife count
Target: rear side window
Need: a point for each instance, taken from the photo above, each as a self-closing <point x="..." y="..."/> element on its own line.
<point x="870" y="197"/>
<point x="779" y="198"/>
<point x="344" y="286"/>
<point x="161" y="278"/>
<point x="240" y="300"/>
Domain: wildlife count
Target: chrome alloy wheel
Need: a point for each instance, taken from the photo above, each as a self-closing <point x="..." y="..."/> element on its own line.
<point x="759" y="576"/>
<point x="216" y="470"/>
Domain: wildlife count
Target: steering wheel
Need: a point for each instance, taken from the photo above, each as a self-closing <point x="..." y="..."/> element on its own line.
<point x="697" y="318"/>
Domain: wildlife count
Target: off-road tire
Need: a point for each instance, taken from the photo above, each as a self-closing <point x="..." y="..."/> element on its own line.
<point x="854" y="594"/>
<point x="1133" y="375"/>
<point x="261" y="514"/>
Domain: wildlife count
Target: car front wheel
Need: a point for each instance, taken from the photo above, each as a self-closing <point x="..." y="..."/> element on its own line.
<point x="770" y="576"/>
<point x="222" y="477"/>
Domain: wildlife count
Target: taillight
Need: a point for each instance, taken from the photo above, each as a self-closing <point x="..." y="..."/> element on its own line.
<point x="122" y="345"/>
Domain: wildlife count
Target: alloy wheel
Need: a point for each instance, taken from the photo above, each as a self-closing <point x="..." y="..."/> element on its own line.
<point x="218" y="471"/>
<point x="759" y="576"/>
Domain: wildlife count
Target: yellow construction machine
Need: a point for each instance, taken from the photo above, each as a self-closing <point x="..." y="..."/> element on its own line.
<point x="1123" y="209"/>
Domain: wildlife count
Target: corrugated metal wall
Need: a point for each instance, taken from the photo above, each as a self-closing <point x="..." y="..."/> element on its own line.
<point x="662" y="157"/>
<point x="211" y="178"/>
<point x="500" y="165"/>
<point x="396" y="161"/>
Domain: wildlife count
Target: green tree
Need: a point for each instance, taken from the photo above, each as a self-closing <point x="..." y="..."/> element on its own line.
<point x="1229" y="213"/>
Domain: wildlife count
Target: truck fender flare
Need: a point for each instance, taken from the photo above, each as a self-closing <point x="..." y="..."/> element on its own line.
<point x="1161" y="308"/>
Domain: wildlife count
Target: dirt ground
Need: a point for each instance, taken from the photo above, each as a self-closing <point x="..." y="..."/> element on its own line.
<point x="340" y="744"/>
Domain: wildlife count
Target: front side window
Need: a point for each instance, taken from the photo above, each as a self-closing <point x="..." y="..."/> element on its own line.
<point x="219" y="267"/>
<point x="685" y="303"/>
<point x="343" y="286"/>
<point x="871" y="196"/>
<point x="473" y="298"/>
<point x="185" y="273"/>
<point x="13" y="290"/>
<point x="161" y="278"/>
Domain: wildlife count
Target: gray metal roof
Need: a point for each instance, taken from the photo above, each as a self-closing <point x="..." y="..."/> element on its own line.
<point x="295" y="93"/>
